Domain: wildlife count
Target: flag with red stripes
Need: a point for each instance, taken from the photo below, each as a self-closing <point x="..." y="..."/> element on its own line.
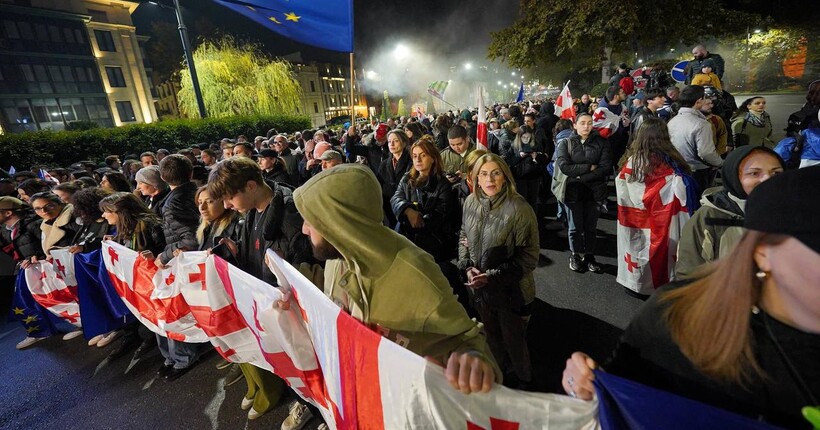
<point x="481" y="130"/>
<point x="564" y="107"/>
<point x="651" y="216"/>
<point x="605" y="121"/>
<point x="153" y="295"/>
<point x="371" y="382"/>
<point x="53" y="286"/>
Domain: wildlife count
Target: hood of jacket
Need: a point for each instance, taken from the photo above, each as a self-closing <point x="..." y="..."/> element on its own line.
<point x="720" y="199"/>
<point x="731" y="168"/>
<point x="344" y="204"/>
<point x="547" y="109"/>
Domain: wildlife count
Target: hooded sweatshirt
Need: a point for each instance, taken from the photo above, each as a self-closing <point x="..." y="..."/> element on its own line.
<point x="383" y="279"/>
<point x="714" y="230"/>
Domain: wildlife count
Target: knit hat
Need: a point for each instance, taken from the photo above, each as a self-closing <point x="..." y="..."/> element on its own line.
<point x="788" y="204"/>
<point x="150" y="175"/>
<point x="8" y="203"/>
<point x="381" y="131"/>
<point x="708" y="63"/>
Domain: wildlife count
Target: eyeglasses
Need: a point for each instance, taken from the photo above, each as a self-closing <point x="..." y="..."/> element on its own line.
<point x="45" y="208"/>
<point x="495" y="174"/>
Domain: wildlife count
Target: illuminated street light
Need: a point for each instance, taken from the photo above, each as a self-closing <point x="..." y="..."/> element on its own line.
<point x="468" y="66"/>
<point x="513" y="73"/>
<point x="757" y="31"/>
<point x="401" y="52"/>
<point x="499" y="82"/>
<point x="370" y="74"/>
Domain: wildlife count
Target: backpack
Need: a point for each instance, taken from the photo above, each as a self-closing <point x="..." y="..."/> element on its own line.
<point x="799" y="121"/>
<point x="793" y="163"/>
<point x="295" y="245"/>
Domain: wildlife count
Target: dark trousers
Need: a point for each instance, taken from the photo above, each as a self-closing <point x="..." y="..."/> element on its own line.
<point x="582" y="218"/>
<point x="507" y="336"/>
<point x="705" y="178"/>
<point x="528" y="188"/>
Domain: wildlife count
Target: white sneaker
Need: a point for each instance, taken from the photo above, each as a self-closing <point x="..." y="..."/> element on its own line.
<point x="323" y="426"/>
<point x="253" y="414"/>
<point x="27" y="342"/>
<point x="246" y="403"/>
<point x="94" y="340"/>
<point x="72" y="334"/>
<point x="108" y="338"/>
<point x="299" y="416"/>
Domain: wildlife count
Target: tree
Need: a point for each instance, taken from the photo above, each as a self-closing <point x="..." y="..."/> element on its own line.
<point x="164" y="49"/>
<point x="585" y="35"/>
<point x="239" y="80"/>
<point x="402" y="109"/>
<point x="385" y="106"/>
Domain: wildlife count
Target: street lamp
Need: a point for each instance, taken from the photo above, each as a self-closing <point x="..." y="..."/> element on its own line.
<point x="513" y="73"/>
<point x="189" y="56"/>
<point x="400" y="52"/>
<point x="468" y="66"/>
<point x="370" y="74"/>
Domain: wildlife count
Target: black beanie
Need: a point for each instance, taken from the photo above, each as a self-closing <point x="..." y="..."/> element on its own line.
<point x="788" y="204"/>
<point x="731" y="166"/>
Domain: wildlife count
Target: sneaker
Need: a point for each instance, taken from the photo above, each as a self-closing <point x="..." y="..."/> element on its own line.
<point x="27" y="342"/>
<point x="323" y="426"/>
<point x="223" y="364"/>
<point x="234" y="375"/>
<point x="575" y="263"/>
<point x="299" y="416"/>
<point x="72" y="334"/>
<point x="254" y="414"/>
<point x="94" y="340"/>
<point x="246" y="403"/>
<point x="108" y="338"/>
<point x="591" y="264"/>
<point x="129" y="342"/>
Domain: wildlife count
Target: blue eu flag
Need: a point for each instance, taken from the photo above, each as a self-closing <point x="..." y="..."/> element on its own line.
<point x="326" y="24"/>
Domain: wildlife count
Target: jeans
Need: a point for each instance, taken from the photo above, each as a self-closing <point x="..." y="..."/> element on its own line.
<point x="180" y="354"/>
<point x="582" y="218"/>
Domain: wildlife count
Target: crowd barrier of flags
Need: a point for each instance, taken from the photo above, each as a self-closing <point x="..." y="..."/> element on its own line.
<point x="354" y="376"/>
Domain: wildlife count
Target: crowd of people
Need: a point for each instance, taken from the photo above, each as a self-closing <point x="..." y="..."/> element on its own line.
<point x="415" y="207"/>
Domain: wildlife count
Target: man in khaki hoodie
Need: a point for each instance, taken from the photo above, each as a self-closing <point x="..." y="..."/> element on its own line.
<point x="385" y="281"/>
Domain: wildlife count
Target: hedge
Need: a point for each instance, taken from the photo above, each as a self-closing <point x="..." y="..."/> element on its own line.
<point x="62" y="148"/>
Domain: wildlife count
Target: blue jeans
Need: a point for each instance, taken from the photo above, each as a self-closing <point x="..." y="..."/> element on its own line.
<point x="180" y="354"/>
<point x="582" y="218"/>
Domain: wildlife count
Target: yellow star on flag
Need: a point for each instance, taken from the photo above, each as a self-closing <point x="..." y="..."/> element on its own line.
<point x="292" y="17"/>
<point x="30" y="319"/>
<point x="32" y="329"/>
<point x="273" y="18"/>
<point x="18" y="311"/>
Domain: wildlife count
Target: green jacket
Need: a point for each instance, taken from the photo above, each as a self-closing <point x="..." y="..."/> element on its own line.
<point x="383" y="279"/>
<point x="499" y="236"/>
<point x="702" y="242"/>
<point x="757" y="135"/>
<point x="454" y="162"/>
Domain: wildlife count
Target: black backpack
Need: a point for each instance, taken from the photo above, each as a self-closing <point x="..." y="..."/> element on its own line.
<point x="793" y="163"/>
<point x="800" y="120"/>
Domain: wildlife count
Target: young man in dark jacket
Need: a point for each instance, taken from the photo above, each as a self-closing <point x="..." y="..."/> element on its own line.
<point x="180" y="220"/>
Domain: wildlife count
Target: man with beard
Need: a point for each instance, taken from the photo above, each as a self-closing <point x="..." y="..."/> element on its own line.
<point x="696" y="64"/>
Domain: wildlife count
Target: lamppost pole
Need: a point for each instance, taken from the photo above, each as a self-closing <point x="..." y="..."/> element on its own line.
<point x="189" y="58"/>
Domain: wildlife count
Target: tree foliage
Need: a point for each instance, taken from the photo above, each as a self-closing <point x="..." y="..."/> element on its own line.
<point x="164" y="49"/>
<point x="573" y="34"/>
<point x="239" y="80"/>
<point x="402" y="109"/>
<point x="386" y="106"/>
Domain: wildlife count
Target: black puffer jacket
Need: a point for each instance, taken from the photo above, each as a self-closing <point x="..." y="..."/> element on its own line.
<point x="441" y="211"/>
<point x="180" y="220"/>
<point x="26" y="243"/>
<point x="374" y="153"/>
<point x="389" y="176"/>
<point x="156" y="202"/>
<point x="584" y="184"/>
<point x="90" y="236"/>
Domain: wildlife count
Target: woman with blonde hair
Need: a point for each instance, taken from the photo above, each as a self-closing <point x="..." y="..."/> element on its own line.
<point x="498" y="253"/>
<point x="216" y="222"/>
<point x="744" y="333"/>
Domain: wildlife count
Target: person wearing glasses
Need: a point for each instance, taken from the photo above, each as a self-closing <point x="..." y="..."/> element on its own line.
<point x="498" y="253"/>
<point x="281" y="145"/>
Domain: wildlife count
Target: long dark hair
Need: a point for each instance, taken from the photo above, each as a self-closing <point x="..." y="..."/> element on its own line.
<point x="118" y="182"/>
<point x="130" y="210"/>
<point x="651" y="148"/>
<point x="86" y="203"/>
<point x="427" y="145"/>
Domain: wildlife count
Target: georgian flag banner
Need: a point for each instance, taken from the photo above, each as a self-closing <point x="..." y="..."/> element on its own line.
<point x="651" y="216"/>
<point x="563" y="104"/>
<point x="605" y="122"/>
<point x="53" y="286"/>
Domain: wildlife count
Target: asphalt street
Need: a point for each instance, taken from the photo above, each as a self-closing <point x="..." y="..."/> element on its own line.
<point x="68" y="385"/>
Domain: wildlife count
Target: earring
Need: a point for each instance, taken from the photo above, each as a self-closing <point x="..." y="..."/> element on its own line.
<point x="762" y="275"/>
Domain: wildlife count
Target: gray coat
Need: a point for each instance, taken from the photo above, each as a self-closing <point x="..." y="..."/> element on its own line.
<point x="692" y="136"/>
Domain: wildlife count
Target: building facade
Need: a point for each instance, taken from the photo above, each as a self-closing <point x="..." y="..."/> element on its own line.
<point x="71" y="60"/>
<point x="167" y="102"/>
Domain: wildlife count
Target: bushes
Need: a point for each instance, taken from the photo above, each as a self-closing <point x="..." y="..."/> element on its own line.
<point x="65" y="147"/>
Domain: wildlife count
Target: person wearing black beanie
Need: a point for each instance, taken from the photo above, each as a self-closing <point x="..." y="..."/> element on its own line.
<point x="714" y="229"/>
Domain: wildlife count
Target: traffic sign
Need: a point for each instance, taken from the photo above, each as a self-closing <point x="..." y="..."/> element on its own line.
<point x="678" y="72"/>
<point x="637" y="76"/>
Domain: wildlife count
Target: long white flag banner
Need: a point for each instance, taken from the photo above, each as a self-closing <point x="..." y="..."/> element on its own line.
<point x="354" y="376"/>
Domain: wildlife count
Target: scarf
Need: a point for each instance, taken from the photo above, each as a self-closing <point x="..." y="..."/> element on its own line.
<point x="757" y="120"/>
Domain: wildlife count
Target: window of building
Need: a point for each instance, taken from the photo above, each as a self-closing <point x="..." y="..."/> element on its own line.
<point x="97" y="108"/>
<point x="105" y="41"/>
<point x="40" y="73"/>
<point x="69" y="35"/>
<point x="81" y="74"/>
<point x="25" y="30"/>
<point x="79" y="35"/>
<point x="28" y="74"/>
<point x="126" y="111"/>
<point x="92" y="75"/>
<point x="11" y="29"/>
<point x="56" y="76"/>
<point x="54" y="32"/>
<point x="98" y="15"/>
<point x="42" y="32"/>
<point x="315" y="107"/>
<point x="312" y="87"/>
<point x="67" y="75"/>
<point x="115" y="78"/>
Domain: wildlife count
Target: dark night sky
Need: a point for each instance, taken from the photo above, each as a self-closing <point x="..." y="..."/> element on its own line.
<point x="446" y="28"/>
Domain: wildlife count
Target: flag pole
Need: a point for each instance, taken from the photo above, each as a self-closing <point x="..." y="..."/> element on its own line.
<point x="352" y="101"/>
